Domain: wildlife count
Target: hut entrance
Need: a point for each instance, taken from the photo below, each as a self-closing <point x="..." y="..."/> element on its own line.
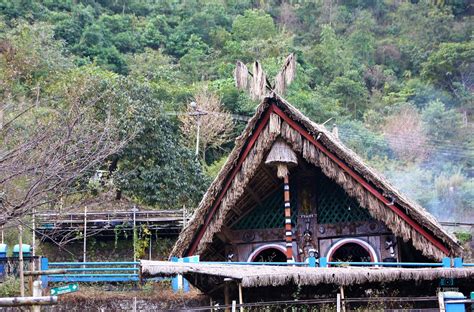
<point x="351" y="252"/>
<point x="269" y="255"/>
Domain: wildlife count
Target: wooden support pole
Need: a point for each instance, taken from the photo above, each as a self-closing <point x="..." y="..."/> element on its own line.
<point x="20" y="260"/>
<point x="37" y="292"/>
<point x="338" y="302"/>
<point x="288" y="228"/>
<point x="28" y="301"/>
<point x="226" y="293"/>
<point x="46" y="272"/>
<point x="442" y="308"/>
<point x="234" y="306"/>
<point x="343" y="304"/>
<point x="84" y="251"/>
<point x="30" y="278"/>
<point x="241" y="297"/>
<point x="33" y="238"/>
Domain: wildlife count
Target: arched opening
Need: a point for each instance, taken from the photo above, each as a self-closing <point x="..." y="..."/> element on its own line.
<point x="270" y="255"/>
<point x="352" y="250"/>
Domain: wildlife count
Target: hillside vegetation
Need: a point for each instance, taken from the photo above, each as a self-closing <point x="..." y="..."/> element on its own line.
<point x="395" y="76"/>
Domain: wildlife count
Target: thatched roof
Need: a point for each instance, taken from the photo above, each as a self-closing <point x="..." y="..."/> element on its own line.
<point x="275" y="118"/>
<point x="271" y="275"/>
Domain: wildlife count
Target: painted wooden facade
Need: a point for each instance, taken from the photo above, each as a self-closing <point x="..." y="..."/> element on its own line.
<point x="326" y="222"/>
<point x="333" y="206"/>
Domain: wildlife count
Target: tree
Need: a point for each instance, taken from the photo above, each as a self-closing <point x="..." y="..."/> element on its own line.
<point x="215" y="124"/>
<point x="451" y="67"/>
<point x="442" y="125"/>
<point x="254" y="24"/>
<point x="405" y="134"/>
<point x="48" y="149"/>
<point x="155" y="168"/>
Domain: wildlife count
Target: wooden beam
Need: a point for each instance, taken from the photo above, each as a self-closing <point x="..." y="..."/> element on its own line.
<point x="28" y="301"/>
<point x="46" y="272"/>
<point x="268" y="194"/>
<point x="241" y="298"/>
<point x="254" y="196"/>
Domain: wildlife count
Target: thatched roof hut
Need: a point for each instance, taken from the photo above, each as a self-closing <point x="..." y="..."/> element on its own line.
<point x="274" y="119"/>
<point x="272" y="275"/>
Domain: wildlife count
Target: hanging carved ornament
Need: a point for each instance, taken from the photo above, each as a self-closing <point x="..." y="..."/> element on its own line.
<point x="322" y="229"/>
<point x="248" y="236"/>
<point x="373" y="226"/>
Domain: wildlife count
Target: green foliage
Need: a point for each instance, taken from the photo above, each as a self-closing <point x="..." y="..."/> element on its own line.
<point x="254" y="24"/>
<point x="463" y="237"/>
<point x="441" y="124"/>
<point x="10" y="287"/>
<point x="358" y="62"/>
<point x="213" y="169"/>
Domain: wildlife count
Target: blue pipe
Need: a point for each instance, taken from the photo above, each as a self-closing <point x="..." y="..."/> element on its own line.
<point x="91" y="263"/>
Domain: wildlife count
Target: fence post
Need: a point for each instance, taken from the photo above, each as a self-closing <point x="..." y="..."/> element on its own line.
<point x="446" y="262"/>
<point x="458" y="263"/>
<point x="44" y="265"/>
<point x="312" y="262"/>
<point x="185" y="282"/>
<point x="338" y="302"/>
<point x="175" y="280"/>
<point x="323" y="262"/>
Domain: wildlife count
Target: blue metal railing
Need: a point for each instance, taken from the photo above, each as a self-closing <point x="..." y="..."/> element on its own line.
<point x="323" y="262"/>
<point x="91" y="272"/>
<point x="129" y="271"/>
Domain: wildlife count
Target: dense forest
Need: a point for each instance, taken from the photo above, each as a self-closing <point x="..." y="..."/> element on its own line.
<point x="396" y="77"/>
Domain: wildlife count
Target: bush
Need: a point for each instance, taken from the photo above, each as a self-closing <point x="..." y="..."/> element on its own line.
<point x="10" y="287"/>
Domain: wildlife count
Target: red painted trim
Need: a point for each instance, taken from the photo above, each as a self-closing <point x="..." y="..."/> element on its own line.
<point x="249" y="146"/>
<point x="359" y="179"/>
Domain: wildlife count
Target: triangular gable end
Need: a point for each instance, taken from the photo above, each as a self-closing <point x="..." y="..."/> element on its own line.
<point x="276" y="118"/>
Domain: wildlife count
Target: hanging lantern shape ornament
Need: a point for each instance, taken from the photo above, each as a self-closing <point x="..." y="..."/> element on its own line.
<point x="283" y="158"/>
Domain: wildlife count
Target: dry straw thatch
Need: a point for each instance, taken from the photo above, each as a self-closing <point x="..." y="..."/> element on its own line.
<point x="277" y="128"/>
<point x="281" y="156"/>
<point x="268" y="275"/>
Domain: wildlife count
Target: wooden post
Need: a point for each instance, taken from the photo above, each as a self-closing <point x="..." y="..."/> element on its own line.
<point x="241" y="297"/>
<point x="288" y="229"/>
<point x="338" y="302"/>
<point x="149" y="247"/>
<point x="20" y="260"/>
<point x="343" y="304"/>
<point x="84" y="251"/>
<point x="33" y="239"/>
<point x="28" y="301"/>
<point x="234" y="306"/>
<point x="442" y="308"/>
<point x="30" y="278"/>
<point x="226" y="293"/>
<point x="36" y="293"/>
